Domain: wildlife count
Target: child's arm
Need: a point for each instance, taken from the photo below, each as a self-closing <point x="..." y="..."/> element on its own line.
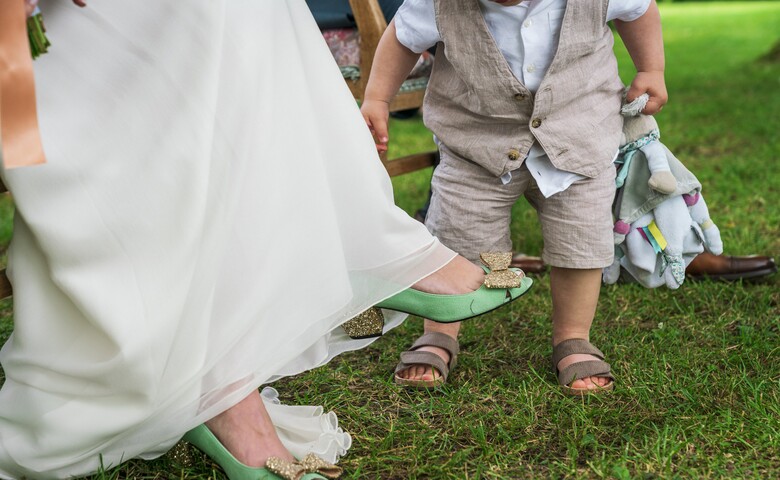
<point x="392" y="64"/>
<point x="645" y="44"/>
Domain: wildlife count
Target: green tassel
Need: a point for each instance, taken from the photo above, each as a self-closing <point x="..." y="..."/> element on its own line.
<point x="36" y="32"/>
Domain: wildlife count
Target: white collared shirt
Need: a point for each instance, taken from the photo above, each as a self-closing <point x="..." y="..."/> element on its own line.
<point x="527" y="36"/>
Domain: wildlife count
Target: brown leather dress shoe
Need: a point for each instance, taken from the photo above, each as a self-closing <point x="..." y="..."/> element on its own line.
<point x="528" y="264"/>
<point x="729" y="268"/>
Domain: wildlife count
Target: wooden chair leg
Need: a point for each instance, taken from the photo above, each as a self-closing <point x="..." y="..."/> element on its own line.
<point x="5" y="286"/>
<point x="410" y="163"/>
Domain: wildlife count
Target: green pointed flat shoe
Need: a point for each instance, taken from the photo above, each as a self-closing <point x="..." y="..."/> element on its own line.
<point x="209" y="444"/>
<point x="454" y="308"/>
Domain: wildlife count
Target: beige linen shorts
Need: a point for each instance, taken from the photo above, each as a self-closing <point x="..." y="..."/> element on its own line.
<point x="470" y="212"/>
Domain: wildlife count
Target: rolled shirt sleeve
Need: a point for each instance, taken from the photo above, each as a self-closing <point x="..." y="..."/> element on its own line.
<point x="626" y="10"/>
<point x="415" y="25"/>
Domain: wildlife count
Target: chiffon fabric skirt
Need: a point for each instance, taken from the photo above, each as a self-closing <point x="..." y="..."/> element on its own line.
<point x="211" y="211"/>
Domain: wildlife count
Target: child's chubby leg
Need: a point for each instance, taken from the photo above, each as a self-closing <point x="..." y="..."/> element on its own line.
<point x="470" y="213"/>
<point x="575" y="294"/>
<point x="577" y="230"/>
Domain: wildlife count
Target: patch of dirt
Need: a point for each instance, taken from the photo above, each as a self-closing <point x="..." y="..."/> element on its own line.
<point x="773" y="55"/>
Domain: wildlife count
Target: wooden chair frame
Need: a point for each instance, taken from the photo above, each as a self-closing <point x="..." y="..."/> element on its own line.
<point x="371" y="24"/>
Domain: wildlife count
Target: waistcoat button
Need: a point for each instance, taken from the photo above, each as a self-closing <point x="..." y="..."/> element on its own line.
<point x="520" y="96"/>
<point x="536" y="122"/>
<point x="513" y="154"/>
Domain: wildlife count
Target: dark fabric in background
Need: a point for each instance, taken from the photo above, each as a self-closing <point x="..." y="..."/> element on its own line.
<point x="338" y="14"/>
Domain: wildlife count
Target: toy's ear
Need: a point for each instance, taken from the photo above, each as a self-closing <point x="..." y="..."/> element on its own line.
<point x="634" y="107"/>
<point x="635" y="128"/>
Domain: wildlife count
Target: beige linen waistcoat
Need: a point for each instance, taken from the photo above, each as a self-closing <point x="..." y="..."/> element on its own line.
<point x="481" y="111"/>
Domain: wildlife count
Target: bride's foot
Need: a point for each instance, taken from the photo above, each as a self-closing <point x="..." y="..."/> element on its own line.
<point x="246" y="431"/>
<point x="457" y="292"/>
<point x="243" y="442"/>
<point x="457" y="277"/>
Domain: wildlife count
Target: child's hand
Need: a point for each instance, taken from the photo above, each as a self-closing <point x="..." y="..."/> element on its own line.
<point x="29" y="6"/>
<point x="654" y="85"/>
<point x="376" y="113"/>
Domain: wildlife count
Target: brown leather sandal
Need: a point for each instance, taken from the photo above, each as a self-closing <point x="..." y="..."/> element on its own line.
<point x="413" y="357"/>
<point x="580" y="370"/>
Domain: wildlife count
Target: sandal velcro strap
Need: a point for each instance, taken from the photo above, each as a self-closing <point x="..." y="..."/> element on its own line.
<point x="423" y="358"/>
<point x="433" y="339"/>
<point x="574" y="346"/>
<point x="440" y="340"/>
<point x="580" y="370"/>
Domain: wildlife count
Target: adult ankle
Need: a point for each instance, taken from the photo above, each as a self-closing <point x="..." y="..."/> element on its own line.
<point x="457" y="277"/>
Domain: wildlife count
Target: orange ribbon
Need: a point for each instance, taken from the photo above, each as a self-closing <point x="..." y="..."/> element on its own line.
<point x="21" y="139"/>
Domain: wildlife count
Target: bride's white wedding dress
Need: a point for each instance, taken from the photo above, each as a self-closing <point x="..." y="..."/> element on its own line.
<point x="212" y="210"/>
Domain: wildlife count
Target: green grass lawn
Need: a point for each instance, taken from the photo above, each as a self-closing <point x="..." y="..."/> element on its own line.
<point x="698" y="369"/>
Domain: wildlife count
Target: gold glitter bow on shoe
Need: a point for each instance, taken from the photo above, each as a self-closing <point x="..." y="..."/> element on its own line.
<point x="309" y="464"/>
<point x="500" y="276"/>
<point x="368" y="324"/>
